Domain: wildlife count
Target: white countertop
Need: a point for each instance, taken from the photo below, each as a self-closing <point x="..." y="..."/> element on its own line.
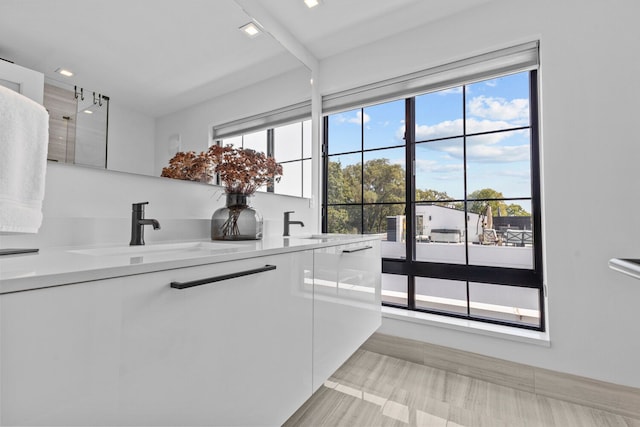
<point x="66" y="265"/>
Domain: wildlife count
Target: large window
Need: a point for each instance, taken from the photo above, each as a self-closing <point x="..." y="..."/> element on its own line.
<point x="290" y="145"/>
<point x="450" y="179"/>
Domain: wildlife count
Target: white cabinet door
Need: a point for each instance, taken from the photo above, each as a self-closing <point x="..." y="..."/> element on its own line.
<point x="59" y="355"/>
<point x="231" y="352"/>
<point x="135" y="351"/>
<point x="346" y="305"/>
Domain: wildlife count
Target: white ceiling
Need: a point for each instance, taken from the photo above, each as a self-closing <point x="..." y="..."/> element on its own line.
<point x="159" y="56"/>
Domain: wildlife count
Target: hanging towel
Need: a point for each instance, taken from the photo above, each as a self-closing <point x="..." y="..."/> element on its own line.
<point x="24" y="137"/>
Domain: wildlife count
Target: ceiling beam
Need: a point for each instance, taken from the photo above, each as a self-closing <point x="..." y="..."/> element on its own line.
<point x="256" y="10"/>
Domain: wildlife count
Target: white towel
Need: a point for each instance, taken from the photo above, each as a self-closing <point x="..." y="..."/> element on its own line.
<point x="24" y="138"/>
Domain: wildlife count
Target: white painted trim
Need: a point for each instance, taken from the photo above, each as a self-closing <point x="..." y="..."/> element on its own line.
<point x="464" y="325"/>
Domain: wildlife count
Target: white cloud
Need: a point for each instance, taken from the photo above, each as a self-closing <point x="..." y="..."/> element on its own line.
<point x="481" y="148"/>
<point x="515" y="111"/>
<point x="484" y="153"/>
<point x="358" y="119"/>
<point x="399" y="161"/>
<point x="515" y="174"/>
<point x="355" y="120"/>
<point x="427" y="165"/>
<point x="453" y="90"/>
<point x="439" y="130"/>
<point x="450" y="128"/>
<point x="438" y="171"/>
<point x="491" y="83"/>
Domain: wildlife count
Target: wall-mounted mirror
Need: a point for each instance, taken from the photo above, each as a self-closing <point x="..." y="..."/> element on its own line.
<point x="78" y="125"/>
<point x="171" y="71"/>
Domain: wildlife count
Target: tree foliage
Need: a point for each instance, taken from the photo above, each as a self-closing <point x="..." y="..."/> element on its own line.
<point x="380" y="186"/>
<point x="516" y="210"/>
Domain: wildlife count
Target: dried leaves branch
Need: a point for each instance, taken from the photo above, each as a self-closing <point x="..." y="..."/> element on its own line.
<point x="241" y="171"/>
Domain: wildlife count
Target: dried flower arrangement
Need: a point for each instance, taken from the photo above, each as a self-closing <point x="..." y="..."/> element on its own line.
<point x="242" y="171"/>
<point x="189" y="166"/>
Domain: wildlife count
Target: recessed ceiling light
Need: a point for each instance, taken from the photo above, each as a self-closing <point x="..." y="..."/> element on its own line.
<point x="251" y="29"/>
<point x="64" y="72"/>
<point x="311" y="3"/>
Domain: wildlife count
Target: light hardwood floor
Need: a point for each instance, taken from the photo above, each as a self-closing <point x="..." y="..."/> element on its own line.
<point x="372" y="389"/>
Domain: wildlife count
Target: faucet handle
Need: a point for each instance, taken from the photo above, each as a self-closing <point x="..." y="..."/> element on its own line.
<point x="139" y="206"/>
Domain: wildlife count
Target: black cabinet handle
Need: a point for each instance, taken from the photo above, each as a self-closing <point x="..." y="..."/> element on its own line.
<point x="363" y="248"/>
<point x="191" y="284"/>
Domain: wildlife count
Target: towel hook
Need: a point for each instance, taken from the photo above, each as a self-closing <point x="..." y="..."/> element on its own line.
<point x="99" y="101"/>
<point x="75" y="89"/>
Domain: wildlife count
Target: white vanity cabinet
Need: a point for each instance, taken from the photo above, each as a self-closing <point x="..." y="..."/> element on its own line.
<point x="231" y="341"/>
<point x="59" y="355"/>
<point x="135" y="351"/>
<point x="231" y="352"/>
<point x="346" y="303"/>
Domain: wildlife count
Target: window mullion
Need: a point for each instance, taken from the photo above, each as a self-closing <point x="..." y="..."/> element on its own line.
<point x="466" y="195"/>
<point x="362" y="170"/>
<point x="410" y="186"/>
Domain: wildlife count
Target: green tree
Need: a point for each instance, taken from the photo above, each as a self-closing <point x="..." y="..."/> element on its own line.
<point x="378" y="181"/>
<point x="336" y="189"/>
<point x="337" y="218"/>
<point x="380" y="185"/>
<point x="498" y="207"/>
<point x="516" y="210"/>
<point x="339" y="221"/>
<point x="430" y="195"/>
<point x="383" y="182"/>
<point x="438" y="198"/>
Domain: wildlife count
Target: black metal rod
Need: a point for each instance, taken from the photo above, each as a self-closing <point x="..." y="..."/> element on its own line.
<point x="191" y="284"/>
<point x="16" y="251"/>
<point x="363" y="248"/>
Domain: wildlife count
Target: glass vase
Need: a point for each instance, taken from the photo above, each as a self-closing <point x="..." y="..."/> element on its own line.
<point x="237" y="220"/>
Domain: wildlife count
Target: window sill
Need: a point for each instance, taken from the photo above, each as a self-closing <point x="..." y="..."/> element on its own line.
<point x="468" y="326"/>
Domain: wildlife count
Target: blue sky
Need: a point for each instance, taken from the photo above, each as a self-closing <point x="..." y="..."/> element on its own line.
<point x="499" y="161"/>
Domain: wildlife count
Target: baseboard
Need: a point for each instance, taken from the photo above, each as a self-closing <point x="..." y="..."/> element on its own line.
<point x="610" y="397"/>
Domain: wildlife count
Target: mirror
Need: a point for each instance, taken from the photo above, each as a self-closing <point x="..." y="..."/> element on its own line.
<point x="78" y="125"/>
<point x="170" y="70"/>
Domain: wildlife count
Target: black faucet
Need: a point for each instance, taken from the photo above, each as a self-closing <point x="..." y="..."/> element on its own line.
<point x="138" y="222"/>
<point x="288" y="222"/>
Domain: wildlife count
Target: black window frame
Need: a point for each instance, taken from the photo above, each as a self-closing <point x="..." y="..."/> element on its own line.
<point x="410" y="268"/>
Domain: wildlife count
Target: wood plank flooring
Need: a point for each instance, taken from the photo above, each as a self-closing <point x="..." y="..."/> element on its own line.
<point x="372" y="389"/>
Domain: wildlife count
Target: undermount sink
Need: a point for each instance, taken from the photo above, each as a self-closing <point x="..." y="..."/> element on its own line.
<point x="161" y="250"/>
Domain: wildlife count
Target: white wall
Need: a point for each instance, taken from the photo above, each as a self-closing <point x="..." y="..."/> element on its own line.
<point x="589" y="90"/>
<point x="85" y="206"/>
<point x="194" y="124"/>
<point x="131" y="140"/>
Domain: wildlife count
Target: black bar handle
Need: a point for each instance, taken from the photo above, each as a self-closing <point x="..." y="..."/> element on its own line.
<point x="363" y="248"/>
<point x="191" y="284"/>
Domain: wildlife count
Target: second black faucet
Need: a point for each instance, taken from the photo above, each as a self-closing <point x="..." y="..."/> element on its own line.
<point x="288" y="222"/>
